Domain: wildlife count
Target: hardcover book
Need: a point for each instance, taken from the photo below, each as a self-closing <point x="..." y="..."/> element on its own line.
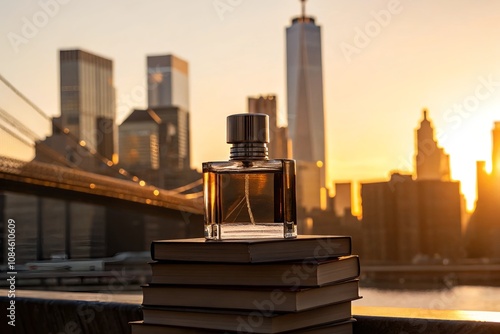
<point x="249" y="298"/>
<point x="139" y="327"/>
<point x="246" y="322"/>
<point x="252" y="250"/>
<point x="293" y="274"/>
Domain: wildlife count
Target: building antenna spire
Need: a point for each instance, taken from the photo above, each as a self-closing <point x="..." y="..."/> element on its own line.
<point x="303" y="8"/>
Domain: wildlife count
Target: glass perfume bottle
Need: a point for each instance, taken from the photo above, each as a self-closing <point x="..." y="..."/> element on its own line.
<point x="249" y="196"/>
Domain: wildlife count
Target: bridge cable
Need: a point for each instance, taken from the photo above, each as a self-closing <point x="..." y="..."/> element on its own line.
<point x="93" y="153"/>
<point x="28" y="101"/>
<point x="96" y="155"/>
<point x="10" y="132"/>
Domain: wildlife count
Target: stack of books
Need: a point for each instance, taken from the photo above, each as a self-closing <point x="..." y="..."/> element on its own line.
<point x="302" y="285"/>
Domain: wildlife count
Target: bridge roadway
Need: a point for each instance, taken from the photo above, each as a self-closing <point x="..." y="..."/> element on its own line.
<point x="66" y="183"/>
<point x="436" y="268"/>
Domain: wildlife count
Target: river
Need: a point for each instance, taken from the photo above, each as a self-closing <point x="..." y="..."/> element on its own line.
<point x="477" y="298"/>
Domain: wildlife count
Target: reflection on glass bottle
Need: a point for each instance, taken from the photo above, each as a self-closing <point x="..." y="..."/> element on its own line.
<point x="249" y="196"/>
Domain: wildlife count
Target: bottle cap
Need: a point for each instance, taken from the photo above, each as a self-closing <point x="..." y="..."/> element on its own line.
<point x="247" y="128"/>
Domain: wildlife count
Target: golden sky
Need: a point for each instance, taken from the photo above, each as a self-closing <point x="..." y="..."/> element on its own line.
<point x="383" y="62"/>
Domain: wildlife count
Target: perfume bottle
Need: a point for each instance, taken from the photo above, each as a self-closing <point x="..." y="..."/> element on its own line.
<point x="249" y="196"/>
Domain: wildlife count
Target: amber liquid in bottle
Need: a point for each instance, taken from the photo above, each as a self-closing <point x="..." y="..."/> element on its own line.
<point x="249" y="196"/>
<point x="246" y="200"/>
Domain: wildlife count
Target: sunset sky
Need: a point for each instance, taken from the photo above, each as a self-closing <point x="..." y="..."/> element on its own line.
<point x="383" y="62"/>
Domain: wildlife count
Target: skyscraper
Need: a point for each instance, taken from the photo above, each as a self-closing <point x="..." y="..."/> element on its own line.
<point x="431" y="162"/>
<point x="168" y="96"/>
<point x="155" y="145"/>
<point x="88" y="100"/>
<point x="306" y="120"/>
<point x="168" y="83"/>
<point x="278" y="136"/>
<point x="390" y="214"/>
<point x="406" y="218"/>
<point x="139" y="140"/>
<point x="343" y="202"/>
<point x="155" y="142"/>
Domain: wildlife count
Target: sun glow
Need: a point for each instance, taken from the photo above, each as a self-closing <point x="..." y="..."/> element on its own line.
<point x="480" y="315"/>
<point x="467" y="145"/>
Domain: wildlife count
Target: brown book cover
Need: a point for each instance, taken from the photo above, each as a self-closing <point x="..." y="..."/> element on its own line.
<point x="253" y="250"/>
<point x="249" y="298"/>
<point x="279" y="299"/>
<point x="246" y="322"/>
<point x="292" y="274"/>
<point x="139" y="327"/>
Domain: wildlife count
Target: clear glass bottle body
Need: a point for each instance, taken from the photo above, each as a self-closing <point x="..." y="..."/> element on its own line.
<point x="249" y="199"/>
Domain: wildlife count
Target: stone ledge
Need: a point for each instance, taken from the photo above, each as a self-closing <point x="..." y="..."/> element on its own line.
<point x="57" y="316"/>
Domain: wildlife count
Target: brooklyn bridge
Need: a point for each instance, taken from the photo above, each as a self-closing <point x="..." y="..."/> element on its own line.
<point x="62" y="208"/>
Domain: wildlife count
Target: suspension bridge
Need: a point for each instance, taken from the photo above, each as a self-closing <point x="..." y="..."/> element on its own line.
<point x="63" y="206"/>
<point x="64" y="179"/>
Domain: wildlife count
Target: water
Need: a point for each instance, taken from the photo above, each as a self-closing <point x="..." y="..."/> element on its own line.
<point x="477" y="298"/>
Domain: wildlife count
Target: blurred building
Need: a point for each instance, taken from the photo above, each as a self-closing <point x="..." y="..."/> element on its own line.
<point x="306" y="120"/>
<point x="85" y="134"/>
<point x="140" y="144"/>
<point x="419" y="219"/>
<point x="317" y="221"/>
<point x="431" y="162"/>
<point x="386" y="205"/>
<point x="342" y="201"/>
<point x="406" y="219"/>
<point x="168" y="82"/>
<point x="155" y="142"/>
<point x="440" y="219"/>
<point x="483" y="230"/>
<point x="278" y="136"/>
<point x="88" y="99"/>
<point x="309" y="194"/>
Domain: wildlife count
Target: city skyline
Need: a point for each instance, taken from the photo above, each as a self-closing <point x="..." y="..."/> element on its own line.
<point x="373" y="93"/>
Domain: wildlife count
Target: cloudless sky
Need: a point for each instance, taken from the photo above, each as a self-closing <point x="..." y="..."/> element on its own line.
<point x="442" y="55"/>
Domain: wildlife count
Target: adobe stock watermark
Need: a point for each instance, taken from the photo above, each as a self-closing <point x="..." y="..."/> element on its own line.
<point x="222" y="7"/>
<point x="11" y="272"/>
<point x="470" y="104"/>
<point x="455" y="115"/>
<point x="371" y="30"/>
<point x="32" y="25"/>
<point x="293" y="279"/>
<point x="88" y="312"/>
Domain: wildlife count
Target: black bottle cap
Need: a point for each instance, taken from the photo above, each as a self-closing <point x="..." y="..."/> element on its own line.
<point x="247" y="128"/>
